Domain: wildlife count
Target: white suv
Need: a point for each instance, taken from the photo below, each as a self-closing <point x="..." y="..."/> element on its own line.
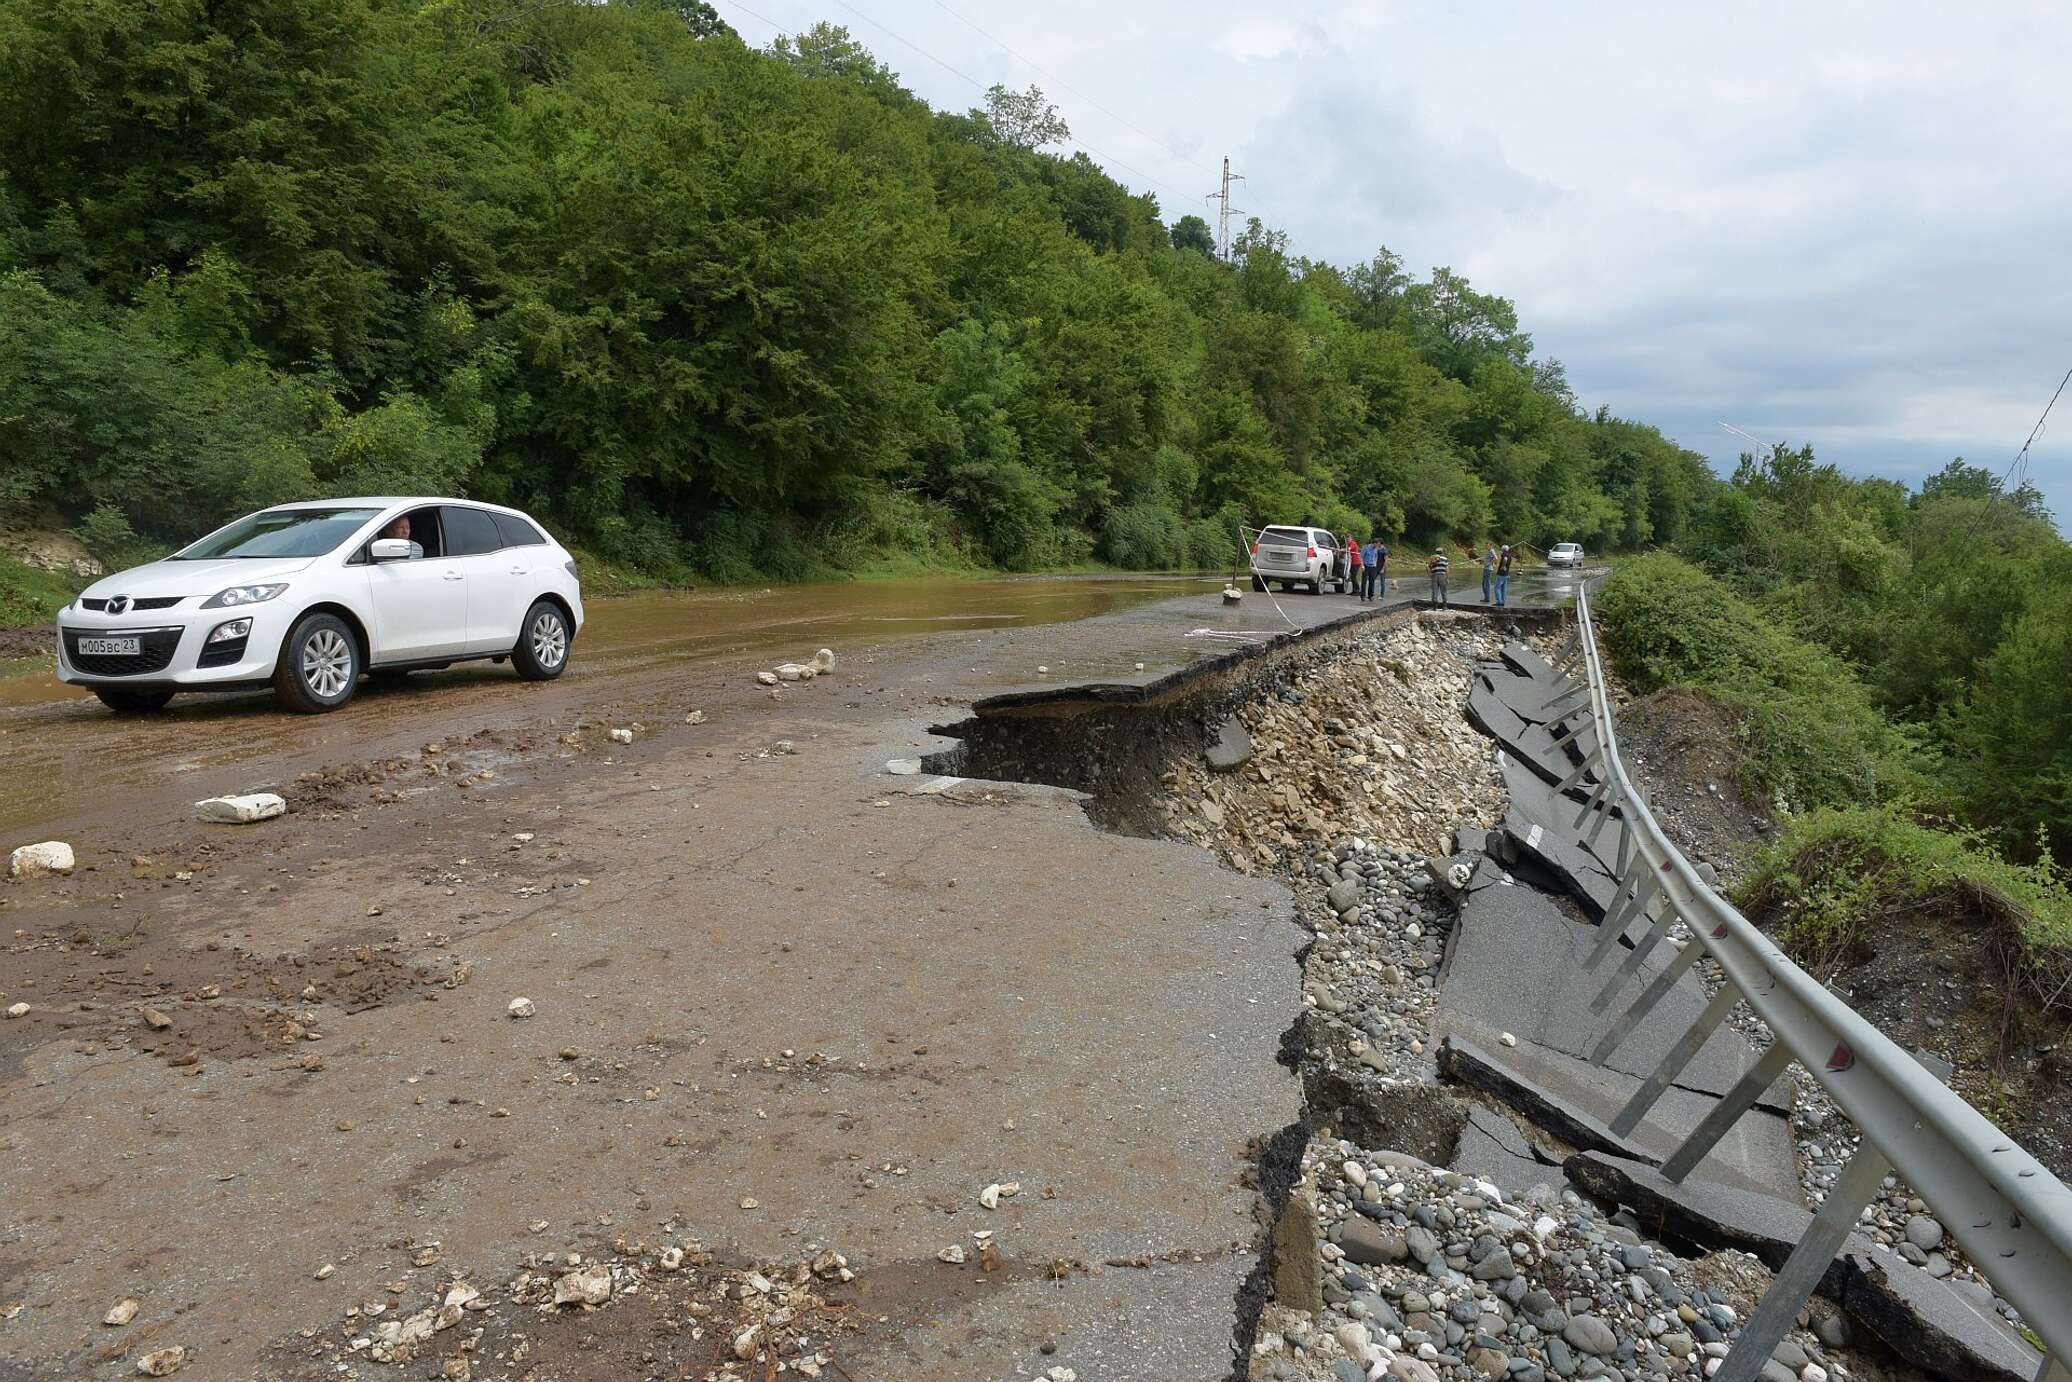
<point x="1294" y="556"/>
<point x="306" y="597"/>
<point x="1565" y="554"/>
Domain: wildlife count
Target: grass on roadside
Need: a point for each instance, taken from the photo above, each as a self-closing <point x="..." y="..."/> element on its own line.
<point x="1831" y="870"/>
<point x="30" y="595"/>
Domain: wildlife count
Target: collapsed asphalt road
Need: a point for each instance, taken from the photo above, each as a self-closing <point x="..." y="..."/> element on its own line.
<point x="782" y="1003"/>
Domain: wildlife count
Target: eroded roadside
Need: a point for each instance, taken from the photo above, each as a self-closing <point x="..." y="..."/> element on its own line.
<point x="782" y="1005"/>
<point x="1431" y="1230"/>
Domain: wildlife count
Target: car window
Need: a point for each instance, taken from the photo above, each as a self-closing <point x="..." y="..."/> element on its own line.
<point x="517" y="532"/>
<point x="280" y="533"/>
<point x="1284" y="537"/>
<point x="469" y="532"/>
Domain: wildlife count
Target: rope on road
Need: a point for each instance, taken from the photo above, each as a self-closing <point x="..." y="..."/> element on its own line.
<point x="1264" y="587"/>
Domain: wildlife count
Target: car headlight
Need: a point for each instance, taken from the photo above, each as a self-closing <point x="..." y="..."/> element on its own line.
<point x="243" y="595"/>
<point x="236" y="628"/>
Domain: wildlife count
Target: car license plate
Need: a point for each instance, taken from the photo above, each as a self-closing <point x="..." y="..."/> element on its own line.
<point x="1284" y="556"/>
<point x="111" y="647"/>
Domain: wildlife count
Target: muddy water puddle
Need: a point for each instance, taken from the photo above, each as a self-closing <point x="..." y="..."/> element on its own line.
<point x="73" y="754"/>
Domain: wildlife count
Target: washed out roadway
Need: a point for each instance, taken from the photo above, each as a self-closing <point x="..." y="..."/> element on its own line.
<point x="976" y="984"/>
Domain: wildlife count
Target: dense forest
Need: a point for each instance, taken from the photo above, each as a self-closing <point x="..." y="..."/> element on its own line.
<point x="747" y="313"/>
<point x="1898" y="665"/>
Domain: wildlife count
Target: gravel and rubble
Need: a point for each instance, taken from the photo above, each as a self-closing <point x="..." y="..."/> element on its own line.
<point x="697" y="1318"/>
<point x="1429" y="1274"/>
<point x="1366" y="740"/>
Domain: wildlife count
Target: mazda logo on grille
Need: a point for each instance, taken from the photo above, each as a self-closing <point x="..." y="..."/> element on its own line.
<point x="118" y="604"/>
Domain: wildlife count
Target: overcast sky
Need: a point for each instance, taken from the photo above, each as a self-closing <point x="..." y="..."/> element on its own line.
<point x="1838" y="223"/>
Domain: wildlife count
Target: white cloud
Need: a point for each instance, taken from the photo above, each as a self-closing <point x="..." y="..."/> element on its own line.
<point x="1841" y="222"/>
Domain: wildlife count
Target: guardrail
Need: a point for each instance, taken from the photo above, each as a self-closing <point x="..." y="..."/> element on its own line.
<point x="2005" y="1209"/>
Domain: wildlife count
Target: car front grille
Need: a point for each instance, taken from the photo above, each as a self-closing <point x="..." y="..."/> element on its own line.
<point x="141" y="602"/>
<point x="155" y="655"/>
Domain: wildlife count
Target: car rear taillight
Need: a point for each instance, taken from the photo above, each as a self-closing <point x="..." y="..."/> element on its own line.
<point x="1312" y="551"/>
<point x="1255" y="549"/>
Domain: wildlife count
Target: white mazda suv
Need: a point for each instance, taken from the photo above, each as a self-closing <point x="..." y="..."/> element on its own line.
<point x="308" y="597"/>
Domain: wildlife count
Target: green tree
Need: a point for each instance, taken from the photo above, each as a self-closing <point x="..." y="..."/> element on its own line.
<point x="1191" y="232"/>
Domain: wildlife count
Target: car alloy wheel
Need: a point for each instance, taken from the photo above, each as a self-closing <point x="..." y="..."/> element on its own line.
<point x="549" y="640"/>
<point x="326" y="664"/>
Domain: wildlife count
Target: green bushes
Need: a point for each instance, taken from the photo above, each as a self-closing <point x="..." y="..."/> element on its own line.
<point x="31" y="595"/>
<point x="1832" y="869"/>
<point x="1815" y="737"/>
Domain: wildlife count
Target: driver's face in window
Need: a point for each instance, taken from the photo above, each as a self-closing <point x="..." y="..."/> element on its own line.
<point x="400" y="528"/>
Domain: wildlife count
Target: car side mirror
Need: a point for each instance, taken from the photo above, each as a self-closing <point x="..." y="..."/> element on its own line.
<point x="390" y="549"/>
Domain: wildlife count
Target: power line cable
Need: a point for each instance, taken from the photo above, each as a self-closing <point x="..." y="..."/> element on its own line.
<point x="1025" y="58"/>
<point x="2021" y="460"/>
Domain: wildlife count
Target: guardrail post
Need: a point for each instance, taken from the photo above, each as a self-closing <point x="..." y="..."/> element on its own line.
<point x="1590" y="760"/>
<point x="1739" y="1100"/>
<point x="1604" y="817"/>
<point x="1636" y="957"/>
<point x="1590" y="804"/>
<point x="1672" y="1064"/>
<point x="1645" y="1004"/>
<point x="1639" y="892"/>
<point x="1793" y="1285"/>
<point x="1570" y="727"/>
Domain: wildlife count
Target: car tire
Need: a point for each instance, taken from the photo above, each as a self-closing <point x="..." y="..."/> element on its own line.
<point x="132" y="702"/>
<point x="1316" y="584"/>
<point x="319" y="665"/>
<point x="543" y="643"/>
<point x="1258" y="582"/>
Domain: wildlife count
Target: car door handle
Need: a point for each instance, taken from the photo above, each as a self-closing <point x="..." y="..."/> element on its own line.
<point x="517" y="570"/>
<point x="454" y="576"/>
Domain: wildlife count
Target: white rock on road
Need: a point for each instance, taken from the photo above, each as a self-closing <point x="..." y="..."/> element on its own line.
<point x="51" y="856"/>
<point x="162" y="1362"/>
<point x="824" y="661"/>
<point x="122" y="1312"/>
<point x="591" y="1285"/>
<point x="18" y="1010"/>
<point x="241" y="810"/>
<point x="622" y="736"/>
<point x="766" y="678"/>
<point x="521" y="1007"/>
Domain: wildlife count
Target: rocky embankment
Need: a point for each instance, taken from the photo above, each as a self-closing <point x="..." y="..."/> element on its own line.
<point x="1353" y="774"/>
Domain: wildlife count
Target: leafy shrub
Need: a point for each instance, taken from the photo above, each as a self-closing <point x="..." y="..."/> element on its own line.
<point x="106" y="533"/>
<point x="891" y="530"/>
<point x="1816" y="738"/>
<point x="1832" y="869"/>
<point x="1144" y="536"/>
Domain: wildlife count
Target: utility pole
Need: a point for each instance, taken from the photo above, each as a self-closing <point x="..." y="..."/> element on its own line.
<point x="1223" y="216"/>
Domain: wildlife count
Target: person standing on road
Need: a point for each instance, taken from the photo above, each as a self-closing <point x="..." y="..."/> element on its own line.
<point x="1377" y="570"/>
<point x="1503" y="578"/>
<point x="1488" y="572"/>
<point x="1356" y="567"/>
<point x="1437" y="566"/>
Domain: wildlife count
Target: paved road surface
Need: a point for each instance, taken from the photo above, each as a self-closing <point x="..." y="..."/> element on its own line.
<point x="688" y="909"/>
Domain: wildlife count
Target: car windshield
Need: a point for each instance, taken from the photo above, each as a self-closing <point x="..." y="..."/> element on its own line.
<point x="280" y="533"/>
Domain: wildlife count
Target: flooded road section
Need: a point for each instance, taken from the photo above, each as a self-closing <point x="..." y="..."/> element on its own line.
<point x="66" y="754"/>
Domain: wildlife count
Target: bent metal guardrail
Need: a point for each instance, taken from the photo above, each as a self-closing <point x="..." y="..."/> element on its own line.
<point x="2007" y="1211"/>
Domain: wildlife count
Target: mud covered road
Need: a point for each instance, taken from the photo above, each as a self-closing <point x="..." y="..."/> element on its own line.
<point x="783" y="1002"/>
